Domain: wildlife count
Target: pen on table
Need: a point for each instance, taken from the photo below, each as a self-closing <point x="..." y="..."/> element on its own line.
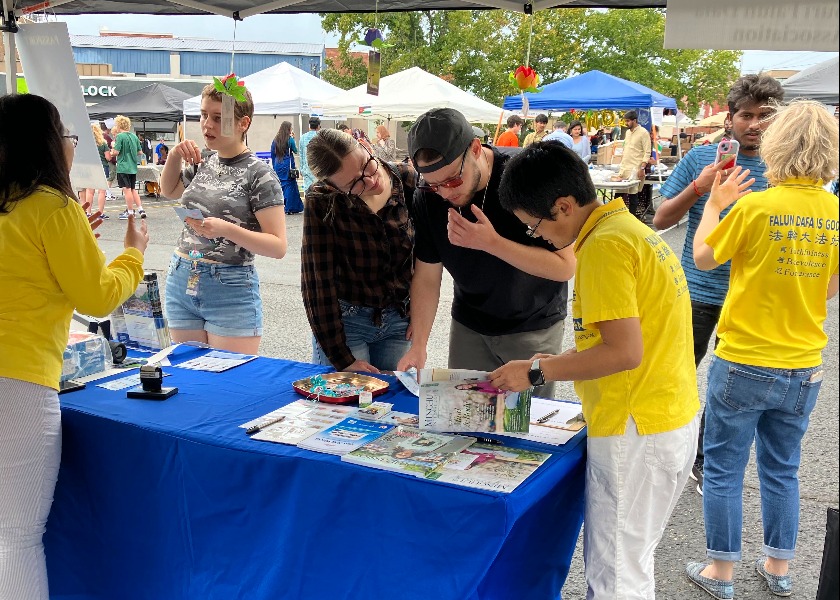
<point x="259" y="427"/>
<point x="545" y="418"/>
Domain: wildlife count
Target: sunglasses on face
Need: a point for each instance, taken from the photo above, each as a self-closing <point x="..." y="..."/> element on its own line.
<point x="450" y="183"/>
<point x="74" y="139"/>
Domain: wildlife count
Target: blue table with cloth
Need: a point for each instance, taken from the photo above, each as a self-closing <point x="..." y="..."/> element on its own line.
<point x="172" y="500"/>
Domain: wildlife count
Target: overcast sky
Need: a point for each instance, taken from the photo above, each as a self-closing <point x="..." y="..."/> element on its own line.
<point x="306" y="28"/>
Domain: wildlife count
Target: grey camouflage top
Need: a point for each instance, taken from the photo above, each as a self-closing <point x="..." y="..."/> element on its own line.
<point x="233" y="189"/>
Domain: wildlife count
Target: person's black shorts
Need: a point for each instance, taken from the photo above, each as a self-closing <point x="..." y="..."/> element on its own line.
<point x="127" y="180"/>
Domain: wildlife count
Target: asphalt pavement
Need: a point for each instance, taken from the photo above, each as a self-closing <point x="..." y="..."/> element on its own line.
<point x="286" y="335"/>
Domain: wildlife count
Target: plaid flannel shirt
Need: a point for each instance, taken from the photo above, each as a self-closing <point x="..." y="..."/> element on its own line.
<point x="352" y="254"/>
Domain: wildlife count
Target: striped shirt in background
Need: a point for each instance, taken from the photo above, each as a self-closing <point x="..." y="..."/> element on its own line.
<point x="709" y="287"/>
<point x="352" y="254"/>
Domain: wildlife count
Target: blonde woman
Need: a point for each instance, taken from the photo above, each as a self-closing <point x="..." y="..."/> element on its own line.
<point x="127" y="149"/>
<point x="212" y="287"/>
<point x="104" y="155"/>
<point x="385" y="148"/>
<point x="766" y="373"/>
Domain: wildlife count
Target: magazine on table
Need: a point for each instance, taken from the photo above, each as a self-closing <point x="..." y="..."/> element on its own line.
<point x="409" y="450"/>
<point x="464" y="400"/>
<point x="345" y="436"/>
<point x="302" y="419"/>
<point x="490" y="467"/>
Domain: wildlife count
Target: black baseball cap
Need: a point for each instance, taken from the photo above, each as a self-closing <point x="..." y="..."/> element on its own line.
<point x="444" y="130"/>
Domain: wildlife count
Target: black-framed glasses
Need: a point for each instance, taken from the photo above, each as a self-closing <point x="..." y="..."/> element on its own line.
<point x="531" y="230"/>
<point x="369" y="169"/>
<point x="452" y="182"/>
<point x="73" y="138"/>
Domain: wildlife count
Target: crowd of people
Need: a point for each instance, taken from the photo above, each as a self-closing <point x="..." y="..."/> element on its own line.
<point x="512" y="226"/>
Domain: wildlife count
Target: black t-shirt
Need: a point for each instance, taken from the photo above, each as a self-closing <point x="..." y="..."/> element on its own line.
<point x="492" y="297"/>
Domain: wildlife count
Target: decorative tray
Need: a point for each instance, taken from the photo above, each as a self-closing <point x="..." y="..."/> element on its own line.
<point x="339" y="388"/>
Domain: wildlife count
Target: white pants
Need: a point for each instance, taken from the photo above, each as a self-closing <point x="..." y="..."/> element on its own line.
<point x="633" y="483"/>
<point x="30" y="451"/>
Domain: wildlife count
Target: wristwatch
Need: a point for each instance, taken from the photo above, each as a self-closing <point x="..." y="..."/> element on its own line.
<point x="535" y="375"/>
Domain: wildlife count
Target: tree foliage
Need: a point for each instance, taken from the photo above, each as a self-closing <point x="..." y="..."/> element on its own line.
<point x="476" y="50"/>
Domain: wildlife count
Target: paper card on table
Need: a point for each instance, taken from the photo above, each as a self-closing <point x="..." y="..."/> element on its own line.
<point x="491" y="467"/>
<point x="123" y="382"/>
<point x="216" y="361"/>
<point x="409" y="380"/>
<point x="192" y="213"/>
<point x="304" y="418"/>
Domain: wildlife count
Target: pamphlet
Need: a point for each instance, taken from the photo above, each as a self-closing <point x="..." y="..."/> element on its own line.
<point x="490" y="467"/>
<point x="303" y="418"/>
<point x="192" y="213"/>
<point x="139" y="321"/>
<point x="409" y="450"/>
<point x="464" y="400"/>
<point x="345" y="436"/>
<point x="216" y="361"/>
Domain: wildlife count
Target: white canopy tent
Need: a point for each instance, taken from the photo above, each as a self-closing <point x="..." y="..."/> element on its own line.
<point x="280" y="90"/>
<point x="406" y="95"/>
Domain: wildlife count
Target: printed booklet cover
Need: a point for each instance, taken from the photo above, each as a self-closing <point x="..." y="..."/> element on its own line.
<point x="409" y="450"/>
<point x="490" y="467"/>
<point x="345" y="436"/>
<point x="303" y="418"/>
<point x="464" y="400"/>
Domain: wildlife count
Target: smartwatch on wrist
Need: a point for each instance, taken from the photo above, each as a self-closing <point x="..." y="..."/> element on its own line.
<point x="535" y="375"/>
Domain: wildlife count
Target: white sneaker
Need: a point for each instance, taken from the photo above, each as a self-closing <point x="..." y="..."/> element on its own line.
<point x="124" y="214"/>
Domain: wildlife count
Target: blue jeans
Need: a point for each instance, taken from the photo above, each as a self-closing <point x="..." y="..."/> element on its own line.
<point x="771" y="406"/>
<point x="382" y="346"/>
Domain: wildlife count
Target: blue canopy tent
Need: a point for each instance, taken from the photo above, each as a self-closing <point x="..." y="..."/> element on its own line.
<point x="592" y="90"/>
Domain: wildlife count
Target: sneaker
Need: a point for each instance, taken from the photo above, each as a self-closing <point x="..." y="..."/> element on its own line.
<point x="124" y="214"/>
<point x="722" y="590"/>
<point x="780" y="585"/>
<point x="103" y="216"/>
<point x="141" y="213"/>
<point x="697" y="475"/>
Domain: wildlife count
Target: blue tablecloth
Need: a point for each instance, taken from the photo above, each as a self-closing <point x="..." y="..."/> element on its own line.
<point x="171" y="500"/>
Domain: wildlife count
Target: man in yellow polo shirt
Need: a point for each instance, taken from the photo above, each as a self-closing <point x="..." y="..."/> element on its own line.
<point x="633" y="363"/>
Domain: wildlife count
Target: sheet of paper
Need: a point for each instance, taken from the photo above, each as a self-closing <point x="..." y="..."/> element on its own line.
<point x="550" y="432"/>
<point x="104" y="374"/>
<point x="409" y="381"/>
<point x="123" y="382"/>
<point x="192" y="213"/>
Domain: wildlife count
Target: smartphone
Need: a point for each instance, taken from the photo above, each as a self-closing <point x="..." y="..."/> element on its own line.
<point x="727" y="153"/>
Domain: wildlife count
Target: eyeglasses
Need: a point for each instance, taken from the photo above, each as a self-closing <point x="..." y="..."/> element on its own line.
<point x="531" y="230"/>
<point x="359" y="185"/>
<point x="450" y="183"/>
<point x="73" y="138"/>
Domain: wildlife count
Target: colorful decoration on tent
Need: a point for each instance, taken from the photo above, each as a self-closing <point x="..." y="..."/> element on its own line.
<point x="230" y="85"/>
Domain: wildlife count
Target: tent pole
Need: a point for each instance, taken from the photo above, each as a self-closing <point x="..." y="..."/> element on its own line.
<point x="9" y="42"/>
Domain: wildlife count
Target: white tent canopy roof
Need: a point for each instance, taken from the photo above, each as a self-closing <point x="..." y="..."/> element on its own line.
<point x="280" y="90"/>
<point x="818" y="82"/>
<point x="406" y="95"/>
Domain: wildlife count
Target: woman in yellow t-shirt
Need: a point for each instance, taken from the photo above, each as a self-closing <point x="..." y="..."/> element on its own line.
<point x="766" y="373"/>
<point x="51" y="264"/>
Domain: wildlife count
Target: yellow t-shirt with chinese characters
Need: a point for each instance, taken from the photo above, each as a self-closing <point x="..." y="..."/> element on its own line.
<point x="783" y="243"/>
<point x="51" y="264"/>
<point x="625" y="270"/>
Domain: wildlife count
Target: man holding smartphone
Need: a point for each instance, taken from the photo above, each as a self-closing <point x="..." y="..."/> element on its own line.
<point x="687" y="191"/>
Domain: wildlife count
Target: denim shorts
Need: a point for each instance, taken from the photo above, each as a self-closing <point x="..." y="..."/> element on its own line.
<point x="228" y="301"/>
